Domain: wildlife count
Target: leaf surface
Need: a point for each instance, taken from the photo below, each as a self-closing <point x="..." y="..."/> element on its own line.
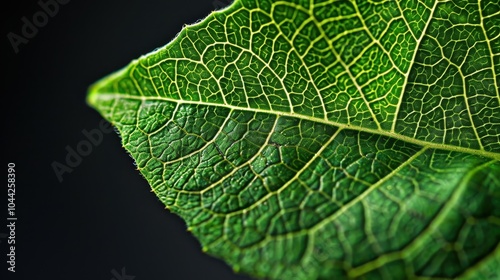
<point x="325" y="139"/>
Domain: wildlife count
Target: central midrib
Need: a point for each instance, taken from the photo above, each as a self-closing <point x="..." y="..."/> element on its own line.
<point x="95" y="96"/>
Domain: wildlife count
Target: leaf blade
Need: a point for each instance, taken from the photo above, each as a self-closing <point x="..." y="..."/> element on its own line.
<point x="263" y="164"/>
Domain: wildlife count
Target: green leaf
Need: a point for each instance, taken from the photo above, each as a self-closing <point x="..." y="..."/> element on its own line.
<point x="325" y="139"/>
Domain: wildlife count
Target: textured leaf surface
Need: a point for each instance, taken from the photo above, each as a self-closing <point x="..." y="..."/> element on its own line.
<point x="326" y="139"/>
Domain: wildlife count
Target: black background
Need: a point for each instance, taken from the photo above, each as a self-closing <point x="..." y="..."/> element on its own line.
<point x="102" y="217"/>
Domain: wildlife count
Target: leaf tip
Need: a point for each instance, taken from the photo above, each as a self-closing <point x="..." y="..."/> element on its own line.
<point x="92" y="96"/>
<point x="236" y="268"/>
<point x="102" y="89"/>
